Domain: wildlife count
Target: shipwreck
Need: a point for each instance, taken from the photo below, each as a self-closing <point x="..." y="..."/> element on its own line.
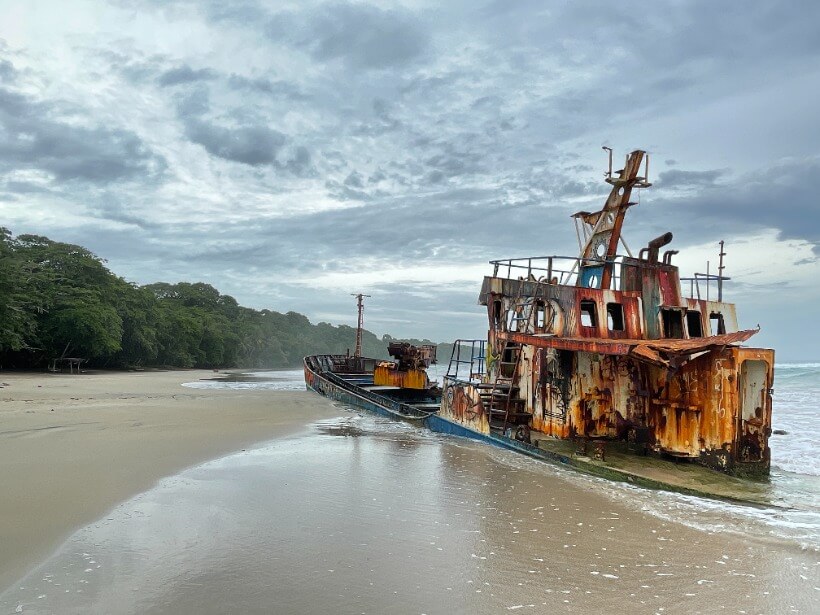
<point x="587" y="356"/>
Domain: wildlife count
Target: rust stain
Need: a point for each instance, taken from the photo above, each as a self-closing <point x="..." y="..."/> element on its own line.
<point x="386" y="374"/>
<point x="408" y="369"/>
<point x="462" y="403"/>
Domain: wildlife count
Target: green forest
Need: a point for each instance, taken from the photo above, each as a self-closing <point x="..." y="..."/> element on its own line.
<point x="60" y="300"/>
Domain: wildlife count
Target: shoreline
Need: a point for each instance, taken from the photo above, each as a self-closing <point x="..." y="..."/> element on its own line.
<point x="72" y="447"/>
<point x="340" y="523"/>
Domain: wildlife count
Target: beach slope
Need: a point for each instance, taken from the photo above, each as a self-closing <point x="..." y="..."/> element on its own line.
<point x="73" y="446"/>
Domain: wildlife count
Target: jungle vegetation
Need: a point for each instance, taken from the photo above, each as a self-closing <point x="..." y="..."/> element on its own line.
<point x="60" y="300"/>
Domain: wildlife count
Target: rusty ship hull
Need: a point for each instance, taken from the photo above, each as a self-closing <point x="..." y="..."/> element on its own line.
<point x="337" y="378"/>
<point x="351" y="380"/>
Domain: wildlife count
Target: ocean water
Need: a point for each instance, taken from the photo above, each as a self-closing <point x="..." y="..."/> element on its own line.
<point x="796" y="410"/>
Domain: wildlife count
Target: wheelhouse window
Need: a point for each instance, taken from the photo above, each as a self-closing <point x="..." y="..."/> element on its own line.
<point x="718" y="326"/>
<point x="615" y="317"/>
<point x="694" y="324"/>
<point x="589" y="317"/>
<point x="672" y="321"/>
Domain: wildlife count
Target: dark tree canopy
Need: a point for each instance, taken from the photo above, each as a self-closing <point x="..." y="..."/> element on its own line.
<point x="60" y="300"/>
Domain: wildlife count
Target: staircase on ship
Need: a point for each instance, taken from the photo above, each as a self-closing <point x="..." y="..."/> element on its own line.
<point x="502" y="395"/>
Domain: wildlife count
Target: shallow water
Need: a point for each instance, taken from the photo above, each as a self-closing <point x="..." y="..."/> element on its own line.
<point x="364" y="515"/>
<point x="795" y="475"/>
<point x="268" y="380"/>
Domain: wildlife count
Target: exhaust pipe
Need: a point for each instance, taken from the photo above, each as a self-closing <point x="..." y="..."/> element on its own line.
<point x="656" y="244"/>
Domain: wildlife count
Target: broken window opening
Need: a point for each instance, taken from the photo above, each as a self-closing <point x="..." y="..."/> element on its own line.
<point x="540" y="316"/>
<point x="694" y="323"/>
<point x="519" y="317"/>
<point x="672" y="323"/>
<point x="497" y="313"/>
<point x="615" y="316"/>
<point x="717" y="324"/>
<point x="589" y="316"/>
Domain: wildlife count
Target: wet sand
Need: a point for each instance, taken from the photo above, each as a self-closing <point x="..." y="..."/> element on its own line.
<point x="73" y="447"/>
<point x="337" y="511"/>
<point x="363" y="515"/>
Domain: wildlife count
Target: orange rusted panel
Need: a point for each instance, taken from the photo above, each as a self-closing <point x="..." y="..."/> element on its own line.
<point x="386" y="374"/>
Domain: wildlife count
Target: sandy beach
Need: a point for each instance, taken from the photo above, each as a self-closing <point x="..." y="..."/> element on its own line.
<point x="72" y="447"/>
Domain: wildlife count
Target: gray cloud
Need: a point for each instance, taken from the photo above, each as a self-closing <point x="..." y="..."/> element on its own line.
<point x="267" y="86"/>
<point x="678" y="178"/>
<point x="451" y="163"/>
<point x="246" y="141"/>
<point x="362" y="36"/>
<point x="135" y="66"/>
<point x="185" y="74"/>
<point x="37" y="137"/>
<point x="195" y="103"/>
<point x="7" y="71"/>
<point x="110" y="208"/>
<point x="445" y="227"/>
<point x="782" y="196"/>
<point x="253" y="145"/>
<point x="351" y="189"/>
<point x="354" y="180"/>
<point x="19" y="187"/>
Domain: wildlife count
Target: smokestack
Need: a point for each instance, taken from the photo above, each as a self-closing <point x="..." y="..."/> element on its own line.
<point x="656" y="244"/>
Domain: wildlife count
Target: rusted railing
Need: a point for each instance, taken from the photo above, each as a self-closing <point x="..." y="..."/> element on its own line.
<point x="562" y="270"/>
<point x="706" y="286"/>
<point x="468" y="361"/>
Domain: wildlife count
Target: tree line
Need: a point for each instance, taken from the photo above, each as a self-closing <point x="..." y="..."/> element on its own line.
<point x="60" y="300"/>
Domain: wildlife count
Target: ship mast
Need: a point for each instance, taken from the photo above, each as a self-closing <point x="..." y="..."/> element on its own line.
<point x="360" y="301"/>
<point x="602" y="230"/>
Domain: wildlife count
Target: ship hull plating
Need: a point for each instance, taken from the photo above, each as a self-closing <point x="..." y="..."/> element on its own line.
<point x="447" y="422"/>
<point x="715" y="410"/>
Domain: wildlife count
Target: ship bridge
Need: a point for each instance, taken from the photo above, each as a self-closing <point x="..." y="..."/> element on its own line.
<point x="558" y="302"/>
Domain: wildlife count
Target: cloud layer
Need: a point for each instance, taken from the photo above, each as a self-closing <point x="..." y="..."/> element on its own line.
<point x="293" y="153"/>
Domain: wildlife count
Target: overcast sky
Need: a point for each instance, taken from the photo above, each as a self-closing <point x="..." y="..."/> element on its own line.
<point x="291" y="153"/>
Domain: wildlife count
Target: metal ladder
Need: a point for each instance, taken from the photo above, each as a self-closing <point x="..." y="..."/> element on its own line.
<point x="501" y="396"/>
